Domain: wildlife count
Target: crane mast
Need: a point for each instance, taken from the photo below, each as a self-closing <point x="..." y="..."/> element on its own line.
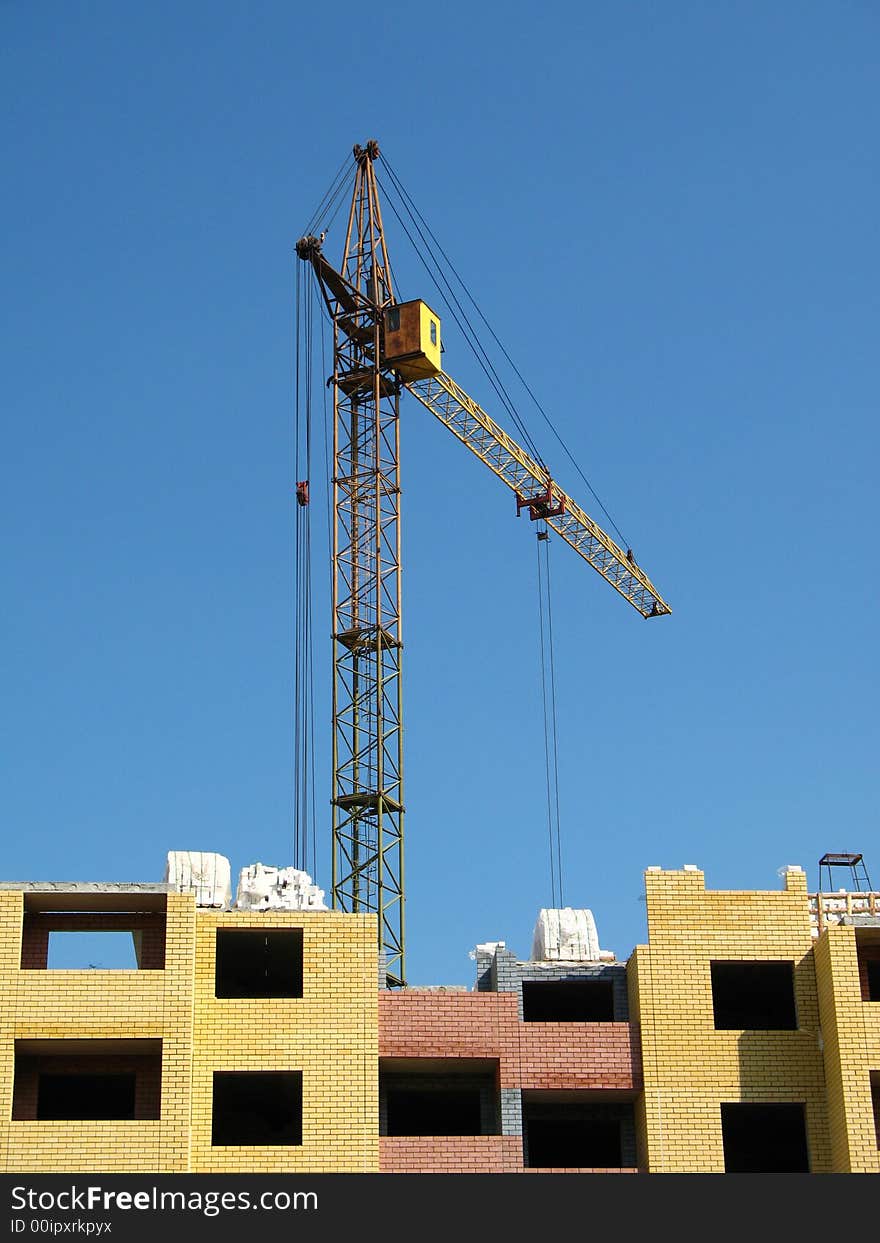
<point x="380" y="347"/>
<point x="367" y="798"/>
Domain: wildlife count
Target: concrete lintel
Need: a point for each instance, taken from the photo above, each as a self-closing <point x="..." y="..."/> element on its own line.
<point x="86" y="886"/>
<point x="93" y="897"/>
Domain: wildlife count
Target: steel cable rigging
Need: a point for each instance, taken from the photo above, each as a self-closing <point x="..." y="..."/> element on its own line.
<point x="416" y="214"/>
<point x="307" y="305"/>
<point x="304" y="795"/>
<point x="332" y="200"/>
<point x="459" y="317"/>
<point x="548" y="701"/>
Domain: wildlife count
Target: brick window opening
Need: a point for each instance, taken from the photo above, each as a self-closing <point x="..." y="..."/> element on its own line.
<point x="259" y="963"/>
<point x="753" y="996"/>
<point x="875" y="1103"/>
<point x="434" y="1100"/>
<point x="78" y="951"/>
<point x="257" y="1108"/>
<point x="568" y="1001"/>
<point x="764" y="1139"/>
<point x="104" y="936"/>
<point x="575" y="1135"/>
<point x="87" y="1080"/>
<point x="425" y="1112"/>
<point x="85" y="1097"/>
<point x="868" y="951"/>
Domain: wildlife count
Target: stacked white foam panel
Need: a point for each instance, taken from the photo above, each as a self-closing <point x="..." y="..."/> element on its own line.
<point x="262" y="888"/>
<point x="202" y="873"/>
<point x="565" y="935"/>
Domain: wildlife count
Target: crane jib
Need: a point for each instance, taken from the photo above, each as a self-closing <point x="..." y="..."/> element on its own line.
<point x="529" y="481"/>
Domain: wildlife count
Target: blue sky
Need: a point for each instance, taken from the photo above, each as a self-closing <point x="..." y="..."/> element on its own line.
<point x="668" y="213"/>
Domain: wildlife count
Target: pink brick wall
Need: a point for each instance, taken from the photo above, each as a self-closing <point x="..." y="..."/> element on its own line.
<point x="454" y="1154"/>
<point x="530" y="1055"/>
<point x="538" y="1056"/>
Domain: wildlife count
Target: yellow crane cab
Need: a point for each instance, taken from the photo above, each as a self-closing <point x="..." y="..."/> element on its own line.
<point x="412" y="340"/>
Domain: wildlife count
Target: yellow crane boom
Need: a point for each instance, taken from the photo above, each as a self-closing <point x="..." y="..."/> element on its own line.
<point x="536" y="491"/>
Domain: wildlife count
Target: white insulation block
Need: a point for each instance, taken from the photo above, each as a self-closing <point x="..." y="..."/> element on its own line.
<point x="200" y="872"/>
<point x="566" y="935"/>
<point x="262" y="888"/>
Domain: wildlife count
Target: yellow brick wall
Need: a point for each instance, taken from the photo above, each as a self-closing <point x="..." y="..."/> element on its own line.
<point x="690" y="1069"/>
<point x="851" y="1031"/>
<point x="636" y="970"/>
<point x="330" y="1034"/>
<point x="98" y="1005"/>
<point x="10" y="957"/>
<point x="178" y="1032"/>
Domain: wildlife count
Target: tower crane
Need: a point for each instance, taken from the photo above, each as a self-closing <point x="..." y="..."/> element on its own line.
<point x="382" y="348"/>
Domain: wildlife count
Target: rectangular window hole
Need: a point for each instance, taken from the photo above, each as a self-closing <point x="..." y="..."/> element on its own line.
<point x="439" y="1096"/>
<point x="573" y="1144"/>
<point x="764" y="1139"/>
<point x="434" y="1111"/>
<point x="79" y="951"/>
<point x="868" y="952"/>
<point x="87" y="1080"/>
<point x="875" y="1103"/>
<point x="62" y="933"/>
<point x="577" y="1134"/>
<point x="568" y="1001"/>
<point x="753" y="996"/>
<point x="254" y="963"/>
<point x="257" y="1108"/>
<point x="85" y="1098"/>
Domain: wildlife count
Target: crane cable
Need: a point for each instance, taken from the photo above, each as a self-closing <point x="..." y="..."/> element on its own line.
<point x="332" y="196"/>
<point x="304" y="808"/>
<point x="545" y="607"/>
<point x="459" y="315"/>
<point x="548" y="698"/>
<point x="405" y="196"/>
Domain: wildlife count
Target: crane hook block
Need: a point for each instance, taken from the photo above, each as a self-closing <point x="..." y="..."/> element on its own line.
<point x="308" y="248"/>
<point x="541" y="504"/>
<point x="302" y="492"/>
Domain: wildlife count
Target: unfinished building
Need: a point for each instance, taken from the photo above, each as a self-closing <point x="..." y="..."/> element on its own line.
<point x="258" y="1036"/>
